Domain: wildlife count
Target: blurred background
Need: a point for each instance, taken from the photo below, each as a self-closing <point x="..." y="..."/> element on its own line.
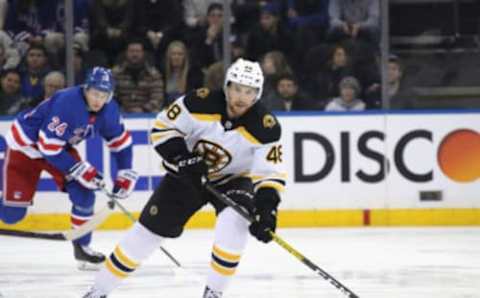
<point x="335" y="55"/>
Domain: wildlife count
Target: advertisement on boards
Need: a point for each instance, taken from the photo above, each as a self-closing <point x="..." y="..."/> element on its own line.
<point x="336" y="161"/>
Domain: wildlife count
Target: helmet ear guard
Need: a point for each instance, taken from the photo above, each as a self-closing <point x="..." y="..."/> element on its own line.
<point x="247" y="73"/>
<point x="101" y="79"/>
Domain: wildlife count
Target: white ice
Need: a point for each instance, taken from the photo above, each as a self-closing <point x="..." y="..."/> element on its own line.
<point x="372" y="262"/>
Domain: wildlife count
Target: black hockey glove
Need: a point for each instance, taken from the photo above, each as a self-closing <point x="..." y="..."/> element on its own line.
<point x="243" y="198"/>
<point x="265" y="214"/>
<point x="194" y="168"/>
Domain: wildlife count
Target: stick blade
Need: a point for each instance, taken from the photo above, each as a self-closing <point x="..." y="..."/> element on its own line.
<point x="34" y="235"/>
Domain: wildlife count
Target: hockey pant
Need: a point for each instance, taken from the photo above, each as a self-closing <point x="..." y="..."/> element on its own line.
<point x="20" y="178"/>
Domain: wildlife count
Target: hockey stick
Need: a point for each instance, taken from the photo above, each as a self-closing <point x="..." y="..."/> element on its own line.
<point x="114" y="201"/>
<point x="229" y="202"/>
<point x="69" y="235"/>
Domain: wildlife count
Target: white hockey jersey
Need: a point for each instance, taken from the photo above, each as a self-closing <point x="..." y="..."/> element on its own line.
<point x="248" y="146"/>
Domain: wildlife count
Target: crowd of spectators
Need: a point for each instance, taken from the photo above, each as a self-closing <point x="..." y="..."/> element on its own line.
<point x="315" y="54"/>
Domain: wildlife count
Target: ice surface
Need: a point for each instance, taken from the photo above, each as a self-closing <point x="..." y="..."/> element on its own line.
<point x="373" y="262"/>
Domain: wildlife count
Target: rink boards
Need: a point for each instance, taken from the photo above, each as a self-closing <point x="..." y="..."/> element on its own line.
<point x="343" y="170"/>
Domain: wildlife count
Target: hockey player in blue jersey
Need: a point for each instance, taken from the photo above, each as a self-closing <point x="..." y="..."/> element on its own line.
<point x="43" y="139"/>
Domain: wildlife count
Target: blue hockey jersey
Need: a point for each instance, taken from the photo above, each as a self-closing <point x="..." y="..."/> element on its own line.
<point x="62" y="121"/>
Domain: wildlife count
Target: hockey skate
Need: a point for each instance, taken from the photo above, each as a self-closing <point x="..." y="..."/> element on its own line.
<point x="211" y="293"/>
<point x="87" y="258"/>
<point x="92" y="294"/>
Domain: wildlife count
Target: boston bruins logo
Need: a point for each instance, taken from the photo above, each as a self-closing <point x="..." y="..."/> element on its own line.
<point x="153" y="210"/>
<point x="269" y="121"/>
<point x="202" y="92"/>
<point x="214" y="155"/>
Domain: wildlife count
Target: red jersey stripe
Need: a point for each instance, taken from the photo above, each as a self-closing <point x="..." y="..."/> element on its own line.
<point x="124" y="138"/>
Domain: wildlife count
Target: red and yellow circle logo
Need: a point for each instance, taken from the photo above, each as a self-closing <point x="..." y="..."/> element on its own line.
<point x="459" y="155"/>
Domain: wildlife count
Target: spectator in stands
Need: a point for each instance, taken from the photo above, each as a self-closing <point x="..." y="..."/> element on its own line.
<point x="159" y="22"/>
<point x="208" y="45"/>
<point x="32" y="74"/>
<point x="53" y="81"/>
<point x="215" y="76"/>
<point x="238" y="49"/>
<point x="80" y="24"/>
<point x="3" y="58"/>
<point x="311" y="77"/>
<point x="274" y="64"/>
<point x="309" y="20"/>
<point x="399" y="93"/>
<point x="339" y="66"/>
<point x="195" y="12"/>
<point x="367" y="69"/>
<point x="80" y="66"/>
<point x="348" y="99"/>
<point x="322" y="82"/>
<point x="9" y="55"/>
<point x="287" y="96"/>
<point x="180" y="74"/>
<point x="45" y="24"/>
<point x="246" y="13"/>
<point x="269" y="34"/>
<point x="358" y="19"/>
<point x="33" y="22"/>
<point x="111" y="25"/>
<point x="11" y="99"/>
<point x="139" y="84"/>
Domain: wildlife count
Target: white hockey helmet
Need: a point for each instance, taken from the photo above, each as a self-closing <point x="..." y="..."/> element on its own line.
<point x="247" y="73"/>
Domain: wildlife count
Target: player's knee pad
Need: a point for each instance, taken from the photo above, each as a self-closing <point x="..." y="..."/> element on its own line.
<point x="231" y="217"/>
<point x="231" y="229"/>
<point x="11" y="215"/>
<point x="139" y="242"/>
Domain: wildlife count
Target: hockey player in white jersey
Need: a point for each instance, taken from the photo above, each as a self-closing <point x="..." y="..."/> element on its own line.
<point x="233" y="140"/>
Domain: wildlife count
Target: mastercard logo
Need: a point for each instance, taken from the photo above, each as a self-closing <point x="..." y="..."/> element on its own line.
<point x="459" y="155"/>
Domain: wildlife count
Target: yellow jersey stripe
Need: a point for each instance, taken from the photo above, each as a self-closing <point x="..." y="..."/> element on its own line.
<point x="207" y="117"/>
<point x="225" y="255"/>
<point x="124" y="259"/>
<point x="157" y="136"/>
<point x="159" y="124"/>
<point x="271" y="184"/>
<point x="244" y="132"/>
<point x="279" y="176"/>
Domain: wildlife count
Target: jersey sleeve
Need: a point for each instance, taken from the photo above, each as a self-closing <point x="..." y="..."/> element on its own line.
<point x="170" y="128"/>
<point x="268" y="170"/>
<point x="118" y="138"/>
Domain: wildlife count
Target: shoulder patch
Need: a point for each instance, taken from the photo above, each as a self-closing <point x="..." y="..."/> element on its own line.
<point x="269" y="121"/>
<point x="202" y="92"/>
<point x="262" y="125"/>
